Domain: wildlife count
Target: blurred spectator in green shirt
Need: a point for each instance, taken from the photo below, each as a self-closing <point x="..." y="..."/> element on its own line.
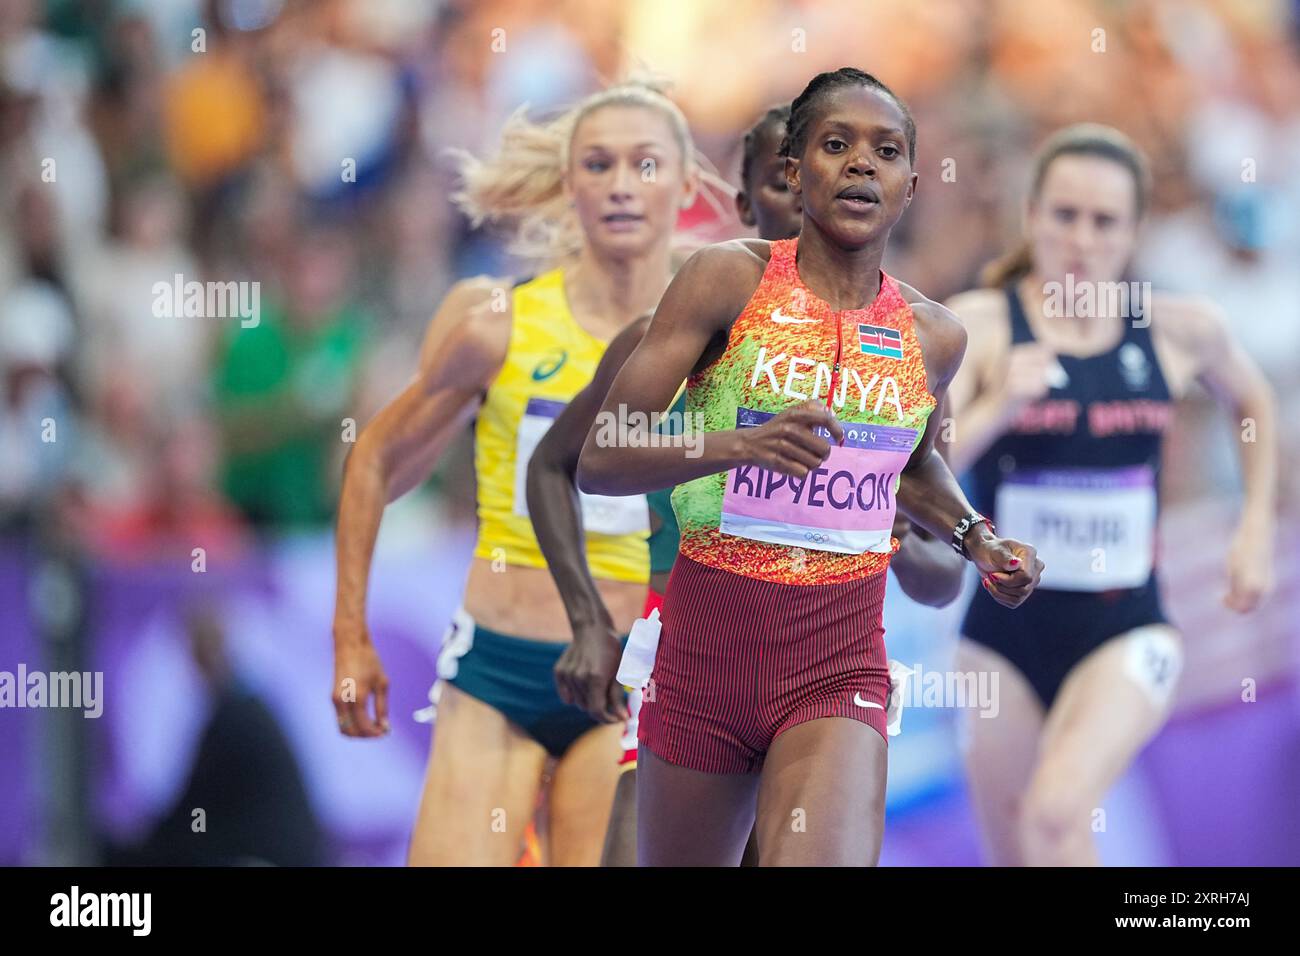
<point x="285" y="385"/>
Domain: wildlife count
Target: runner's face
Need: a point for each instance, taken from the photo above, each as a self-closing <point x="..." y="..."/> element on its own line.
<point x="854" y="176"/>
<point x="1083" y="220"/>
<point x="766" y="200"/>
<point x="627" y="179"/>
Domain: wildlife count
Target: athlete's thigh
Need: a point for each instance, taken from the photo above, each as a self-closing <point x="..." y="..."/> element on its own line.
<point x="581" y="796"/>
<point x="1110" y="705"/>
<point x="1000" y="748"/>
<point x="691" y="818"/>
<point x="821" y="801"/>
<point x="480" y="787"/>
<point x="620" y="835"/>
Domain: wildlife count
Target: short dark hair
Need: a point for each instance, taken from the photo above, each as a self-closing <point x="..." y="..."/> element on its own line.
<point x="803" y="109"/>
<point x="776" y="116"/>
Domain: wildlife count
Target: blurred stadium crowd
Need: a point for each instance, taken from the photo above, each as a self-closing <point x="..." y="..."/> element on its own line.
<point x="299" y="144"/>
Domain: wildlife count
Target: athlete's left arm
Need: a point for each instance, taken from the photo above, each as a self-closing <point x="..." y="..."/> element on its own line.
<point x="584" y="674"/>
<point x="929" y="493"/>
<point x="928" y="570"/>
<point x="1200" y="328"/>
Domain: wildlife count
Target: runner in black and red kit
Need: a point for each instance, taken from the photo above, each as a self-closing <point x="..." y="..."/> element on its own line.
<point x="1061" y="408"/>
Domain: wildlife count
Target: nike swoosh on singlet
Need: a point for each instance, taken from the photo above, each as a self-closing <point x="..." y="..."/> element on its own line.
<point x="857" y="699"/>
<point x="780" y="318"/>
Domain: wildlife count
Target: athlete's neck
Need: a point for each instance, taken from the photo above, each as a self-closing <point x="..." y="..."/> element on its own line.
<point x="607" y="291"/>
<point x="845" y="278"/>
<point x="1082" y="326"/>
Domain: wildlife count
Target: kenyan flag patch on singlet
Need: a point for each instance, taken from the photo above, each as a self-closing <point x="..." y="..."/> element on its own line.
<point x="882" y="341"/>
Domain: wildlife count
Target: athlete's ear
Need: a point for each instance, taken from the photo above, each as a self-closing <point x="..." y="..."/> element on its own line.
<point x="691" y="187"/>
<point x="911" y="190"/>
<point x="792" y="175"/>
<point x="744" y="210"/>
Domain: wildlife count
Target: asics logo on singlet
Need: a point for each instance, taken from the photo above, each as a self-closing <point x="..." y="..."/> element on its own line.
<point x="857" y="699"/>
<point x="796" y="369"/>
<point x="550" y="365"/>
<point x="780" y="318"/>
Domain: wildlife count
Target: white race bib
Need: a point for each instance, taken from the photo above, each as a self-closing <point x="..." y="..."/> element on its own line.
<point x="602" y="514"/>
<point x="1094" y="529"/>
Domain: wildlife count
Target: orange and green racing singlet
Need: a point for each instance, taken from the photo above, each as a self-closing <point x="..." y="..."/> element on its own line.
<point x="787" y="346"/>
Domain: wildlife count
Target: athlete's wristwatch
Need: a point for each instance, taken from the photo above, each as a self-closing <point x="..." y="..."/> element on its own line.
<point x="963" y="526"/>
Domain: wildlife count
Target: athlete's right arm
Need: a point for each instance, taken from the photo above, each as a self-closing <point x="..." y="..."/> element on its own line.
<point x="704" y="298"/>
<point x="584" y="675"/>
<point x="394" y="453"/>
<point x="994" y="382"/>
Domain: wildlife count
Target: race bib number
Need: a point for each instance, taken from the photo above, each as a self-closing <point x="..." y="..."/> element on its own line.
<point x="603" y="514"/>
<point x="847" y="505"/>
<point x="1094" y="529"/>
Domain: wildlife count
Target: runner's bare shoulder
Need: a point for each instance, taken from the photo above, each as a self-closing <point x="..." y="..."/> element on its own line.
<point x="1192" y="323"/>
<point x="941" y="334"/>
<point x="721" y="278"/>
<point x="979" y="307"/>
<point x="733" y="262"/>
<point x="471" y="328"/>
<point x="984" y="314"/>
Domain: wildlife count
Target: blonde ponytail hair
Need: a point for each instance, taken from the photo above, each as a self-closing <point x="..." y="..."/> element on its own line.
<point x="521" y="186"/>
